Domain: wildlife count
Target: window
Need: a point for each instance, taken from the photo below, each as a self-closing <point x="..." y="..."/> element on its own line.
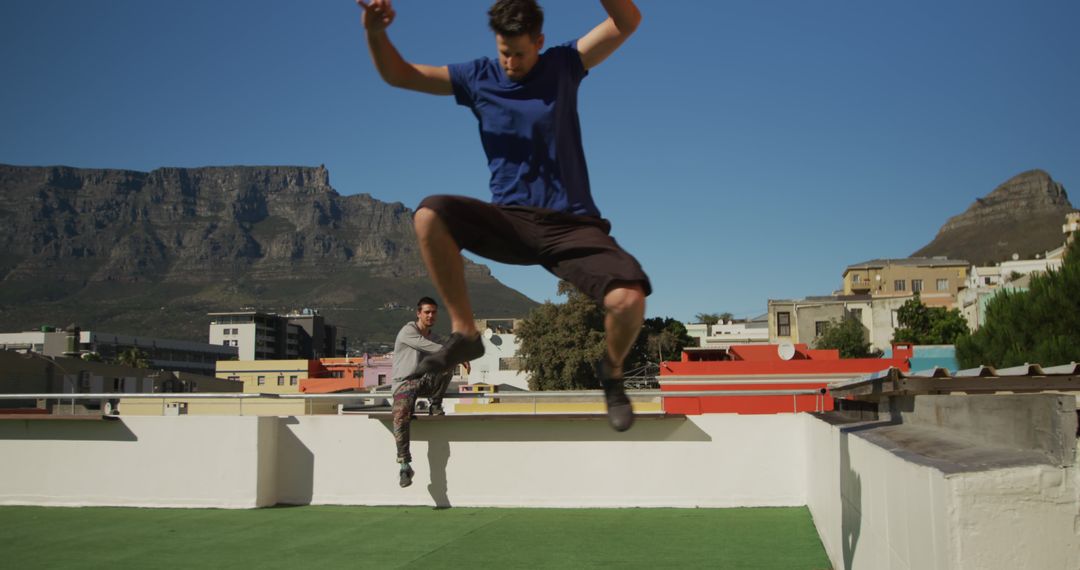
<point x="292" y="380"/>
<point x="382" y="379"/>
<point x="261" y="380"/>
<point x="942" y="284"/>
<point x="234" y="377"/>
<point x="819" y="327"/>
<point x="783" y="324"/>
<point x="899" y="285"/>
<point x="225" y="343"/>
<point x="856" y="278"/>
<point x="280" y="380"/>
<point x="855" y="314"/>
<point x="511" y="363"/>
<point x="916" y="285"/>
<point x="986" y="280"/>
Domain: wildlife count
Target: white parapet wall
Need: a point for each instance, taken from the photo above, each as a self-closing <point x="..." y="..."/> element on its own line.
<point x="244" y="462"/>
<point x="201" y="461"/>
<point x="702" y="461"/>
<point x="880" y="507"/>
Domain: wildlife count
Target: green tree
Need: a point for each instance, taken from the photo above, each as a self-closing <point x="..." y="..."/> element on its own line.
<point x="920" y="324"/>
<point x="660" y="338"/>
<point x="558" y="344"/>
<point x="848" y="336"/>
<point x="134" y="358"/>
<point x="1040" y="325"/>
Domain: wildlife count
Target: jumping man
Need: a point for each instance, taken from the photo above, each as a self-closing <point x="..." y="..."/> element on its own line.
<point x="542" y="211"/>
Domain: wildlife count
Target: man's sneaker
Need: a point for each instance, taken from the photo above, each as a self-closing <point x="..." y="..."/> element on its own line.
<point x="457" y="349"/>
<point x="436" y="410"/>
<point x="620" y="412"/>
<point x="406" y="477"/>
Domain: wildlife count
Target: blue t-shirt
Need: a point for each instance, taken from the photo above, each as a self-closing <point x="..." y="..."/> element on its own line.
<point x="530" y="130"/>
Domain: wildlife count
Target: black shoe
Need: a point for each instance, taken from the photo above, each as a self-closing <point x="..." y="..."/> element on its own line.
<point x="457" y="349"/>
<point x="436" y="410"/>
<point x="620" y="412"/>
<point x="406" y="477"/>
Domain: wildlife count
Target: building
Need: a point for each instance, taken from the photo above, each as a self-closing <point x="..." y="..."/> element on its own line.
<point x="736" y="331"/>
<point x="984" y="283"/>
<point x="34" y="373"/>
<point x="500" y="363"/>
<point x="764" y="367"/>
<point x="268" y="336"/>
<point x="162" y="353"/>
<point x="937" y="280"/>
<point x="803" y="320"/>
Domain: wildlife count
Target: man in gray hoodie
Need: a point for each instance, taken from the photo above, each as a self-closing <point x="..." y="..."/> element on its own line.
<point x="415" y="341"/>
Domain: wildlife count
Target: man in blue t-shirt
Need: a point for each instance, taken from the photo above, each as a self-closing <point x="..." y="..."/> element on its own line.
<point x="542" y="211"/>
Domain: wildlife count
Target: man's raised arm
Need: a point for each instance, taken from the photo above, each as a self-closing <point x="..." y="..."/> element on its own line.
<point x="603" y="40"/>
<point x="378" y="15"/>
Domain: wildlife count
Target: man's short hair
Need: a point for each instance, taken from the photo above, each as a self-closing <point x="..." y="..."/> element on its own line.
<point x="512" y="18"/>
<point x="425" y="301"/>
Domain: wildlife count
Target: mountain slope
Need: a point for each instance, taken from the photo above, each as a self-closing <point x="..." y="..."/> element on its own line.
<point x="152" y="253"/>
<point x="1024" y="216"/>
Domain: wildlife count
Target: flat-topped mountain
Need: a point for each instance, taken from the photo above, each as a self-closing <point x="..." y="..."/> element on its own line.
<point x="153" y="252"/>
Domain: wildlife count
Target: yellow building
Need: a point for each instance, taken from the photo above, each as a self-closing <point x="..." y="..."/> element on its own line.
<point x="936" y="280"/>
<point x="269" y="376"/>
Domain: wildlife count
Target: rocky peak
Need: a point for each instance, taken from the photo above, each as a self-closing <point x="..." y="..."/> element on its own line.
<point x="1021" y="216"/>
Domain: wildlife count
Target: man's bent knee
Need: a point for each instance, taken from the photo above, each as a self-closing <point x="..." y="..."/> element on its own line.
<point x="625" y="298"/>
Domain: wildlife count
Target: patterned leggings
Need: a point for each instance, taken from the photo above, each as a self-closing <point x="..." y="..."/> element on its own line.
<point x="430" y="385"/>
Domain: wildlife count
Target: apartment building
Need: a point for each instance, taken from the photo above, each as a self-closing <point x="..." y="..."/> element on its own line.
<point x="937" y="280"/>
<point x="268" y="336"/>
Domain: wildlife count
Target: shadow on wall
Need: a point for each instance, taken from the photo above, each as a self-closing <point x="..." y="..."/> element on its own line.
<point x="851" y="503"/>
<point x="60" y="430"/>
<point x="439" y="435"/>
<point x="298" y="477"/>
<point x="438" y="456"/>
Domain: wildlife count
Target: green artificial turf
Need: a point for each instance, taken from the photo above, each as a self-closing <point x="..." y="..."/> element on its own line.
<point x="408" y="537"/>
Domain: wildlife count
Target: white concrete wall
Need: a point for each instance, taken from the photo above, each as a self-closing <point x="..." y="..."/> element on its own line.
<point x="874" y="509"/>
<point x="240" y="462"/>
<point x="704" y="461"/>
<point x="179" y="461"/>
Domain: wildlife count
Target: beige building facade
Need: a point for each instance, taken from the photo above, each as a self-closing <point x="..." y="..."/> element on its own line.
<point x="936" y="280"/>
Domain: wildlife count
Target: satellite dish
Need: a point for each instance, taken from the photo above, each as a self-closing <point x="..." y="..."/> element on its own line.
<point x="488" y="333"/>
<point x="786" y="351"/>
<point x="1015" y="256"/>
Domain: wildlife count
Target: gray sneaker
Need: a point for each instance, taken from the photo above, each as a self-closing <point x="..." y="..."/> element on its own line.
<point x="406" y="477"/>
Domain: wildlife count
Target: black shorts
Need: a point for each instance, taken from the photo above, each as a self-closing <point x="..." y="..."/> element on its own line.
<point x="577" y="249"/>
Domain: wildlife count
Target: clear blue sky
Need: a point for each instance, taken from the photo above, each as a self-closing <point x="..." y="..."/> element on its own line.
<point x="744" y="150"/>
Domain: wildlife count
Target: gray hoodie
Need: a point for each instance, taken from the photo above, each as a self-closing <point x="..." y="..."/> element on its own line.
<point x="410" y="347"/>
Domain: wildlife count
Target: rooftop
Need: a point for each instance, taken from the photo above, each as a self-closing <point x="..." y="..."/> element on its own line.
<point x="909" y="261"/>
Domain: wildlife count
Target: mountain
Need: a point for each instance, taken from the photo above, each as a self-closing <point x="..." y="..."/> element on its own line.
<point x="153" y="252"/>
<point x="1024" y="216"/>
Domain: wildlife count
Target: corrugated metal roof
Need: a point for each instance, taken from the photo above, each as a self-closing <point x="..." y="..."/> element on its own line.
<point x="982" y="379"/>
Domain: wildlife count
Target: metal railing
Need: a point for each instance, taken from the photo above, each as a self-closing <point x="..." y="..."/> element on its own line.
<point x="108" y="400"/>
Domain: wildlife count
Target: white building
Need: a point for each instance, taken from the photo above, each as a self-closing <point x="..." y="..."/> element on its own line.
<point x="500" y="363"/>
<point x="726" y="334"/>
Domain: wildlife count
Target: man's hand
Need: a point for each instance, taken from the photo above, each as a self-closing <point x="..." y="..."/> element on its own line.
<point x="378" y="14"/>
<point x="468" y="367"/>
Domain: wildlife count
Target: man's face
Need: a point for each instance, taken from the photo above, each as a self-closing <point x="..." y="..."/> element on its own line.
<point x="426" y="315"/>
<point x="518" y="54"/>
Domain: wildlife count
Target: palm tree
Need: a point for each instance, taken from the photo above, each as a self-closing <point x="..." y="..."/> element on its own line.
<point x="134" y="358"/>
